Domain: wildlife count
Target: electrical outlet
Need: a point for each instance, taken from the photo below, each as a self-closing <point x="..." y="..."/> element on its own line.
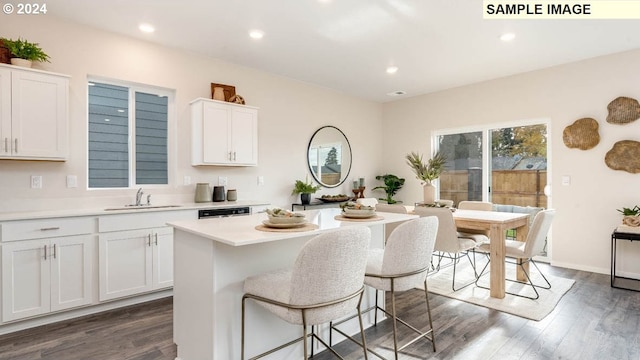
<point x="260" y="180"/>
<point x="186" y="180"/>
<point x="36" y="182"/>
<point x="222" y="180"/>
<point x="72" y="181"/>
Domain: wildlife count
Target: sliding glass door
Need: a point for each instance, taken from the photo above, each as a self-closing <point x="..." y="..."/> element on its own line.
<point x="502" y="164"/>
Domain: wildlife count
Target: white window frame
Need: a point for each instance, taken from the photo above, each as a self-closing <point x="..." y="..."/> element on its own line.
<point x="485" y="128"/>
<point x="171" y="130"/>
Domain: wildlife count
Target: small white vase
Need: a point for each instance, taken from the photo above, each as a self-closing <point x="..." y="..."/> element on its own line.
<point x="21" y="62"/>
<point x="429" y="194"/>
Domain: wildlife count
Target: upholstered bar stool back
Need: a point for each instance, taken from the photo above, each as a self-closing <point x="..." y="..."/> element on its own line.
<point x="403" y="265"/>
<point x="324" y="284"/>
<point x="391" y="208"/>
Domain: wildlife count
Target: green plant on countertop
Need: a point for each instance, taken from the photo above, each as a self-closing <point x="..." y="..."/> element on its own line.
<point x="304" y="187"/>
<point x="25" y="50"/>
<point x="392" y="184"/>
<point x="429" y="171"/>
<point x="630" y="211"/>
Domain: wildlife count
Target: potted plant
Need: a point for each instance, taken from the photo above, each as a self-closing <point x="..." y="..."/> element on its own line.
<point x="427" y="172"/>
<point x="392" y="184"/>
<point x="305" y="189"/>
<point x="630" y="216"/>
<point x="24" y="52"/>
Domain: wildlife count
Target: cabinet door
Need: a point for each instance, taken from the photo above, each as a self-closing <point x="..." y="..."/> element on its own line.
<point x="163" y="258"/>
<point x="39" y="115"/>
<point x="244" y="132"/>
<point x="216" y="140"/>
<point x="71" y="264"/>
<point x="5" y="112"/>
<point x="25" y="279"/>
<point x="125" y="263"/>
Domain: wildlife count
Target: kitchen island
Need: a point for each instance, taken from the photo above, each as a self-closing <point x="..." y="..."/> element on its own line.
<point x="212" y="257"/>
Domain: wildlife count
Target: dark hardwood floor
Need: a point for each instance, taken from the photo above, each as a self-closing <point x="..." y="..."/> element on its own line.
<point x="592" y="321"/>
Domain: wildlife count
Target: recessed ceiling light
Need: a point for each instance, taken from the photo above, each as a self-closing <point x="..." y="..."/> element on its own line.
<point x="256" y="34"/>
<point x="392" y="69"/>
<point x="397" y="93"/>
<point x="507" y="36"/>
<point x="146" y="28"/>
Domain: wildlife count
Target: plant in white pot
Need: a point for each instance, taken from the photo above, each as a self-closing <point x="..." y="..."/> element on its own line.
<point x="25" y="53"/>
<point x="427" y="172"/>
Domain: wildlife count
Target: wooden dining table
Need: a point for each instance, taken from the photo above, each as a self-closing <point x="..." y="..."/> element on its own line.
<point x="497" y="223"/>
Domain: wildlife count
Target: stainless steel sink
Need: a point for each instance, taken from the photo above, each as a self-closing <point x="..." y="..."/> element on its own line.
<point x="141" y="207"/>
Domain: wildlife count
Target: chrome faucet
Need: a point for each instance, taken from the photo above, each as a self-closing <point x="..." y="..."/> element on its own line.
<point x="139" y="197"/>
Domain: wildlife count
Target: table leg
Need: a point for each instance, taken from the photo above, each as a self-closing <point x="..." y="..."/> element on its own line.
<point x="497" y="253"/>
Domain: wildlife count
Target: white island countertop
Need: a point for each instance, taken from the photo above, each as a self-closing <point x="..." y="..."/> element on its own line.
<point x="241" y="230"/>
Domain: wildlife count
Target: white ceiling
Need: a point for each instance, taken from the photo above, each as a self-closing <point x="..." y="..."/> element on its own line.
<point x="346" y="45"/>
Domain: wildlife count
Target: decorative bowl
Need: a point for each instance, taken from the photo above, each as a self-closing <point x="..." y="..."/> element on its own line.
<point x="281" y="216"/>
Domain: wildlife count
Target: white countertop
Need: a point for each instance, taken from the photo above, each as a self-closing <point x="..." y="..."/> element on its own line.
<point x="27" y="215"/>
<point x="240" y="230"/>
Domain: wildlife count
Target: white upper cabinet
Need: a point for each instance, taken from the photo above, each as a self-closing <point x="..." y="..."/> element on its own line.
<point x="223" y="133"/>
<point x="33" y="114"/>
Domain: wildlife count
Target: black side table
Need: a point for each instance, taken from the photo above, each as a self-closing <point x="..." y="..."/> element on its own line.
<point x="316" y="204"/>
<point x="622" y="282"/>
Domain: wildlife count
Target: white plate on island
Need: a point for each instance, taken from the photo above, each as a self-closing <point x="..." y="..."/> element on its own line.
<point x="356" y="215"/>
<point x="267" y="223"/>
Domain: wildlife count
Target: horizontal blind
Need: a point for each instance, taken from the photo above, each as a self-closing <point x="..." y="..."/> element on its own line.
<point x="108" y="136"/>
<point x="151" y="138"/>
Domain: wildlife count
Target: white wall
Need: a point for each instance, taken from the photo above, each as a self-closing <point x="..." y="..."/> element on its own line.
<point x="290" y="112"/>
<point x="586" y="210"/>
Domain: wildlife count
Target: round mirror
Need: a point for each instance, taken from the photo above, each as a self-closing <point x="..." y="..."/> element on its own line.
<point x="329" y="156"/>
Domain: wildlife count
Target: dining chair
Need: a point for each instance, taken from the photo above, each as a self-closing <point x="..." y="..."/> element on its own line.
<point x="474" y="205"/>
<point x="449" y="244"/>
<point x="325" y="283"/>
<point x="523" y="252"/>
<point x="402" y="265"/>
<point x="391" y="208"/>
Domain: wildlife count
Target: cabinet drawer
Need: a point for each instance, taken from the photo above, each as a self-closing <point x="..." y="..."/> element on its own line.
<point x="46" y="228"/>
<point x="145" y="220"/>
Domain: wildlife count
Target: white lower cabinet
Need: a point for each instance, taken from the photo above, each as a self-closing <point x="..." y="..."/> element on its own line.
<point x="135" y="261"/>
<point x="46" y="275"/>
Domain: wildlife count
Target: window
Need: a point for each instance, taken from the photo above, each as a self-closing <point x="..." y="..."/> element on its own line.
<point x="128" y="132"/>
<point x="511" y="159"/>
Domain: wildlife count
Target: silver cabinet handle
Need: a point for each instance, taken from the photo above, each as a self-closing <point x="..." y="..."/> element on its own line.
<point x="234" y="156"/>
<point x="229" y="155"/>
<point x="54" y="251"/>
<point x="45" y="252"/>
<point x="6" y="144"/>
<point x="16" y="141"/>
<point x="156" y="236"/>
<point x="50" y="228"/>
<point x="149" y="240"/>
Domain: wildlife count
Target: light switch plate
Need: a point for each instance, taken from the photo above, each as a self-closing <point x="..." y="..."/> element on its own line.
<point x="566" y="180"/>
<point x="222" y="180"/>
<point x="72" y="181"/>
<point x="260" y="180"/>
<point x="36" y="182"/>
